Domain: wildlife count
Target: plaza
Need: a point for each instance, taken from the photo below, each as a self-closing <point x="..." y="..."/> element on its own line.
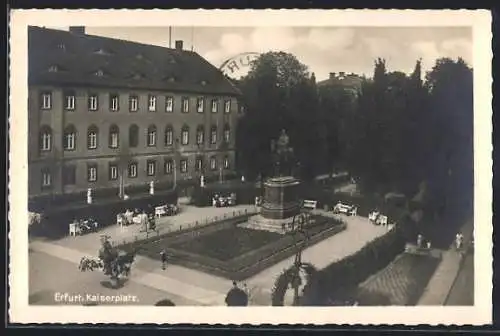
<point x="182" y="285"/>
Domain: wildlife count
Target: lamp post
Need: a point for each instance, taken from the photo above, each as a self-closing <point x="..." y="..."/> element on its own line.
<point x="299" y="225"/>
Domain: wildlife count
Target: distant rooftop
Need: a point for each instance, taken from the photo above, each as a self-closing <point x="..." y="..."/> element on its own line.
<point x="348" y="80"/>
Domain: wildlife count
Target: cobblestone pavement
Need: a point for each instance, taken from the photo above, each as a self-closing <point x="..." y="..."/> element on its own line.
<point x="195" y="287"/>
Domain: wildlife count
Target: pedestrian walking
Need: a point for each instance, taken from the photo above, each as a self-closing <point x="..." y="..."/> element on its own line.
<point x="459" y="240"/>
<point x="163" y="256"/>
<point x="429" y="244"/>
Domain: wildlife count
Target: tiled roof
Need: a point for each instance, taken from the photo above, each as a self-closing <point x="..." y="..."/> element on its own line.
<point x="60" y="57"/>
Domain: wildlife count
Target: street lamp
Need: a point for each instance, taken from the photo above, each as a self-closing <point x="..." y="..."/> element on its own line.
<point x="300" y="223"/>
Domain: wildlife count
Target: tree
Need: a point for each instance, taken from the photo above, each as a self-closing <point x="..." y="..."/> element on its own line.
<point x="115" y="264"/>
<point x="299" y="274"/>
<point x="279" y="94"/>
<point x="450" y="87"/>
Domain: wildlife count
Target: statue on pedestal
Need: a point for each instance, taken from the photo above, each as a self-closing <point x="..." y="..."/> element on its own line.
<point x="283" y="155"/>
<point x="152" y="188"/>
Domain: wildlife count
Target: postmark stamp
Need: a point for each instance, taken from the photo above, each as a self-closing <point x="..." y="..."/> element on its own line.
<point x="329" y="171"/>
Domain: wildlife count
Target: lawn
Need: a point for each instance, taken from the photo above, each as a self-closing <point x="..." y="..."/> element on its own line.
<point x="230" y="251"/>
<point x="229" y="243"/>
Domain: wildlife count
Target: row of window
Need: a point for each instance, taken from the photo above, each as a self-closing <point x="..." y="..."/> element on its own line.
<point x="114" y="103"/>
<point x="69" y="172"/>
<point x="69" y="136"/>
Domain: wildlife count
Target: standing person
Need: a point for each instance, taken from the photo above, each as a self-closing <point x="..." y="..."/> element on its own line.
<point x="236" y="296"/>
<point x="420" y="240"/>
<point x="163" y="256"/>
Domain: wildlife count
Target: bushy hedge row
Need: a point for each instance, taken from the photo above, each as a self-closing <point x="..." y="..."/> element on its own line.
<point x="245" y="192"/>
<point x="55" y="221"/>
<point x="354" y="269"/>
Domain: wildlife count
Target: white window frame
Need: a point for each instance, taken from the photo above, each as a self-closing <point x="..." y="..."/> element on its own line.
<point x="69" y="141"/>
<point x="168" y="167"/>
<point x="152" y="103"/>
<point x="169" y="137"/>
<point x="70" y="100"/>
<point x="200" y="105"/>
<point x="213" y="163"/>
<point x="151" y="168"/>
<point x="114" y="103"/>
<point x="215" y="104"/>
<point x="226" y="163"/>
<point x="93" y="102"/>
<point x="46" y="179"/>
<point x="46" y="144"/>
<point x="132" y="168"/>
<point x="46" y="100"/>
<point x="184" y="166"/>
<point x="152" y="137"/>
<point x="92" y="140"/>
<point x="134" y="103"/>
<point x="113" y="172"/>
<point x="185" y="105"/>
<point x="169" y="104"/>
<point x="199" y="163"/>
<point x="227" y="106"/>
<point x="114" y="137"/>
<point x="213" y="136"/>
<point x="92" y="173"/>
<point x="200" y="136"/>
<point x="185" y="137"/>
<point x="227" y="135"/>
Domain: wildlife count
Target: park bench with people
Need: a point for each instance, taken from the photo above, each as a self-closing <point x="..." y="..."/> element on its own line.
<point x="83" y="226"/>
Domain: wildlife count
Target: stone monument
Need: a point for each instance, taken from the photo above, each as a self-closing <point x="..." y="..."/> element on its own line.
<point x="281" y="192"/>
<point x="281" y="201"/>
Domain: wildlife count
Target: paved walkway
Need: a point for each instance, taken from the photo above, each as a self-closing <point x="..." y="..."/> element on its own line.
<point x="440" y="284"/>
<point x="206" y="289"/>
<point x="359" y="232"/>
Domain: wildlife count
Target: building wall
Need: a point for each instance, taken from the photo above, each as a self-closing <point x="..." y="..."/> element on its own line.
<point x="57" y="118"/>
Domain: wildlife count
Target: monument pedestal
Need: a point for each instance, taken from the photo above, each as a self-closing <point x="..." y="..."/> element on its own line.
<point x="281" y="198"/>
<point x="281" y="203"/>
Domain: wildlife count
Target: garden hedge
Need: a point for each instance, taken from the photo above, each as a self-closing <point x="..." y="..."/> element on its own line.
<point x="355" y="268"/>
<point x="55" y="220"/>
<point x="245" y="192"/>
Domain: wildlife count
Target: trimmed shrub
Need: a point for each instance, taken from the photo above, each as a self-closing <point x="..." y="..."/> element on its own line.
<point x="355" y="268"/>
<point x="245" y="192"/>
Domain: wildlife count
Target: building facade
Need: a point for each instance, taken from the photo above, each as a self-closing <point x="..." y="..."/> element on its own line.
<point x="102" y="109"/>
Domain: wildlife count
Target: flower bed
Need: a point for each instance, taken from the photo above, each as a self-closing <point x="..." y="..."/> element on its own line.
<point x="223" y="253"/>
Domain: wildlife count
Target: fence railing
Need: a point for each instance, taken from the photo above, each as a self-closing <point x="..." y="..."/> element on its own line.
<point x="187" y="226"/>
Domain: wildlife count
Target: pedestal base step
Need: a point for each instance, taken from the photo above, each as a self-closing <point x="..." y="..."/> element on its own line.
<point x="258" y="222"/>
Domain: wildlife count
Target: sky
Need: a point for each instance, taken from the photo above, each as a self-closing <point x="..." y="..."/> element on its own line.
<point x="321" y="49"/>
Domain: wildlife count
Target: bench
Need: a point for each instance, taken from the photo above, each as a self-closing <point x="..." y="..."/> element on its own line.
<point x="310" y="204"/>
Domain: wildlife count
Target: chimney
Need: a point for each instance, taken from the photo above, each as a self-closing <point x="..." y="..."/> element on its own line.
<point x="342" y="74"/>
<point x="178" y="45"/>
<point x="332" y="75"/>
<point x="77" y="30"/>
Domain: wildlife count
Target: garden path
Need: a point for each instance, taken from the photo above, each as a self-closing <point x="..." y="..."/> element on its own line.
<point x="440" y="284"/>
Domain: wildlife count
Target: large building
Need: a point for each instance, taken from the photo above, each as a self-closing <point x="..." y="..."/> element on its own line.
<point x="349" y="81"/>
<point x="99" y="107"/>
